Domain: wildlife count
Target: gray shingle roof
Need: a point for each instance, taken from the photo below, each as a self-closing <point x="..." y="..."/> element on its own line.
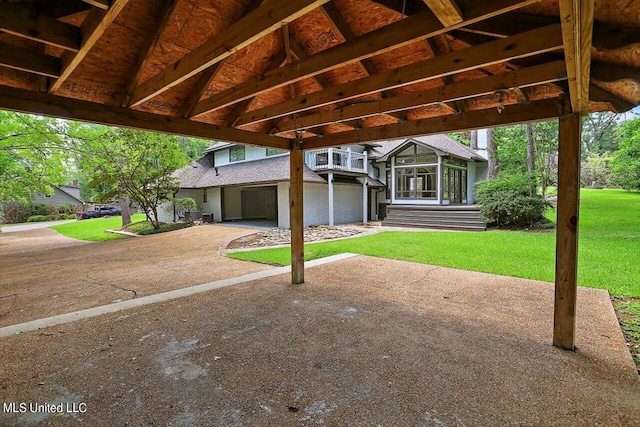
<point x="439" y="142"/>
<point x="201" y="173"/>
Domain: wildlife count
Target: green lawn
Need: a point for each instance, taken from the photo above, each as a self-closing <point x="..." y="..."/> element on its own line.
<point x="609" y="247"/>
<point x="93" y="229"/>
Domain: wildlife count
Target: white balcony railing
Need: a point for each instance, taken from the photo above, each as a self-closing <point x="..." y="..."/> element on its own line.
<point x="336" y="159"/>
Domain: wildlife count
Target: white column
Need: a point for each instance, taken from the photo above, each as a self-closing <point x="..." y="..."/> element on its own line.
<point x="330" y="179"/>
<point x="439" y="169"/>
<point x="365" y="203"/>
<point x="329" y="158"/>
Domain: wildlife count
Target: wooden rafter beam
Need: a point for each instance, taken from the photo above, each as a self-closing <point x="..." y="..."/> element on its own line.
<point x="264" y="20"/>
<point x="31" y="61"/>
<point x="447" y="11"/>
<point x="100" y="4"/>
<point x="512" y="114"/>
<point x="416" y="27"/>
<point x="608" y="72"/>
<point x="405" y="7"/>
<point x="576" y="17"/>
<point x="93" y="27"/>
<point x="276" y="62"/>
<point x="605" y="36"/>
<point x="617" y="104"/>
<point x="522" y="78"/>
<point x="24" y="22"/>
<point x="530" y="43"/>
<point x="207" y="76"/>
<point x="147" y="48"/>
<point x="46" y="104"/>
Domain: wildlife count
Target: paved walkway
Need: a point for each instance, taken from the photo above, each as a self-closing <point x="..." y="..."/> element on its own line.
<point x="364" y="341"/>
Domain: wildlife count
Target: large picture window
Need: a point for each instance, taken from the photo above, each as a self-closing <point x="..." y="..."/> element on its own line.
<point x="417" y="183"/>
<point x="236" y="154"/>
<point x="415" y="155"/>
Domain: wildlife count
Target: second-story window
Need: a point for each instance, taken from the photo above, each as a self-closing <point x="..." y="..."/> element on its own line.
<point x="236" y="154"/>
<point x="274" y="151"/>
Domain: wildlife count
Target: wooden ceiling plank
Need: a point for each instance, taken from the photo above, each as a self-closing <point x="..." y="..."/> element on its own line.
<point x="416" y="27"/>
<point x="28" y="60"/>
<point x="93" y="27"/>
<point x="100" y="4"/>
<point x="447" y="11"/>
<point x="207" y="76"/>
<point x="512" y="114"/>
<point x="300" y="54"/>
<point x="264" y="20"/>
<point x="23" y="22"/>
<point x="147" y="48"/>
<point x="339" y="24"/>
<point x="576" y="17"/>
<point x="57" y="106"/>
<point x="276" y="62"/>
<point x="520" y="45"/>
<point x="525" y="77"/>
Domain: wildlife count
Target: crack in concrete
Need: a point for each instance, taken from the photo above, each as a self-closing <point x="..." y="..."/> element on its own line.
<point x="135" y="293"/>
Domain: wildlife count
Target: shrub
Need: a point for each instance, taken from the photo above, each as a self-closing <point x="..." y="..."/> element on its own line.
<point x="511" y="201"/>
<point x="40" y="209"/>
<point x="69" y="216"/>
<point x="184" y="207"/>
<point x="15" y="212"/>
<point x="37" y="218"/>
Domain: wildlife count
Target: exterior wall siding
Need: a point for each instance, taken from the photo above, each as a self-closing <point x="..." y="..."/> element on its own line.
<point x="58" y="198"/>
<point x="347" y="203"/>
<point x="214" y="203"/>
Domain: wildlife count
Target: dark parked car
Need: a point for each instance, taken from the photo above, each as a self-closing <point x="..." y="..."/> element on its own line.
<point x="103" y="211"/>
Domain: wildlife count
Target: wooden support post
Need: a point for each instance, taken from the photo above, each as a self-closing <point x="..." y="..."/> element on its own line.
<point x="296" y="214"/>
<point x="330" y="179"/>
<point x="564" y="319"/>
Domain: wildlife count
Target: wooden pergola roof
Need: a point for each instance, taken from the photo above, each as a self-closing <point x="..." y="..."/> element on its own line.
<point x="333" y="72"/>
<point x="308" y="74"/>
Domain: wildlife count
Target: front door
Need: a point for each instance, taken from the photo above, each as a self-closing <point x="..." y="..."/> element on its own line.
<point x="457" y="186"/>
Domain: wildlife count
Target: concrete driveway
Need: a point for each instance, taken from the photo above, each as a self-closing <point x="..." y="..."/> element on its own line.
<point x="44" y="273"/>
<point x="33" y="225"/>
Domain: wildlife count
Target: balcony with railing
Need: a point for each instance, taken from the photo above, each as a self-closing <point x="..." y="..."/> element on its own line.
<point x="336" y="159"/>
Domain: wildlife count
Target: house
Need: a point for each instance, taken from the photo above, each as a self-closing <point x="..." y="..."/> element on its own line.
<point x="414" y="182"/>
<point x="62" y="195"/>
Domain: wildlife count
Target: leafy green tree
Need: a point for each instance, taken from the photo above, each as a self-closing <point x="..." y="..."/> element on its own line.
<point x="136" y="164"/>
<point x="194" y="147"/>
<point x="184" y="207"/>
<point x="33" y="156"/>
<point x="625" y="162"/>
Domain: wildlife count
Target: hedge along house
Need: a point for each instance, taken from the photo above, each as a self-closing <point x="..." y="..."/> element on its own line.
<point x="315" y="74"/>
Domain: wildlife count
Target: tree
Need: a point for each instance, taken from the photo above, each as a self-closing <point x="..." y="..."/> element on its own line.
<point x="135" y="164"/>
<point x="531" y="150"/>
<point x="599" y="133"/>
<point x="492" y="152"/>
<point x="33" y="156"/>
<point x="625" y="163"/>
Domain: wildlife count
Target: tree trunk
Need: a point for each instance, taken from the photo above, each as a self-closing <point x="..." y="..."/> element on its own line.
<point x="126" y="211"/>
<point x="474" y="139"/>
<point x="492" y="152"/>
<point x="531" y="160"/>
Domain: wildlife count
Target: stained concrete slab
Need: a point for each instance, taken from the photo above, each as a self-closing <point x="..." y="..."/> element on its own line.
<point x="43" y="273"/>
<point x="364" y="342"/>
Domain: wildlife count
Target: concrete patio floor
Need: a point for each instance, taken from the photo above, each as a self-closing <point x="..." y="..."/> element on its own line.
<point x="364" y="342"/>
